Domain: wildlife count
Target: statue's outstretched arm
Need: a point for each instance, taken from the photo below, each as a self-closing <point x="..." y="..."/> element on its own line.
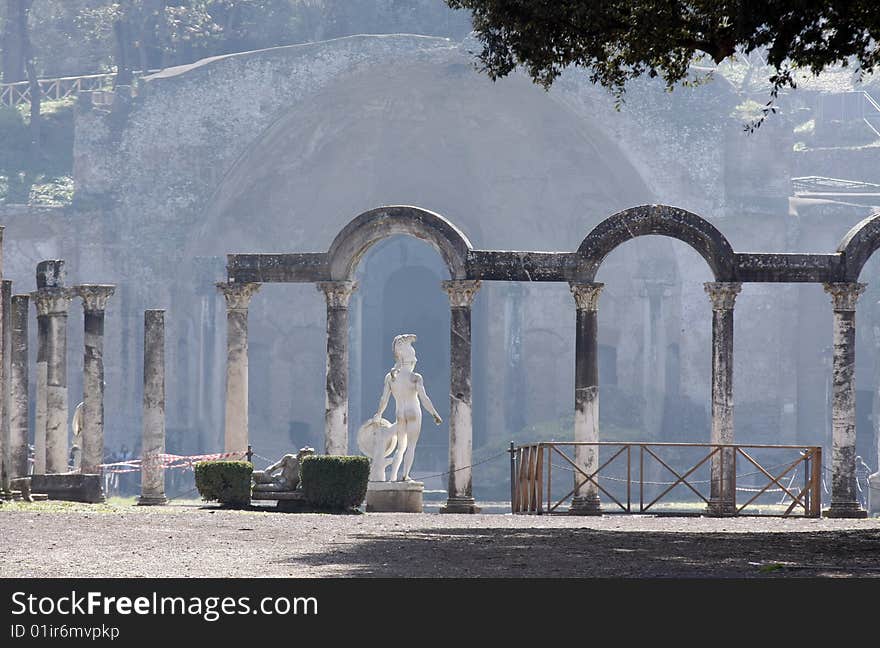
<point x="386" y="394"/>
<point x="426" y="402"/>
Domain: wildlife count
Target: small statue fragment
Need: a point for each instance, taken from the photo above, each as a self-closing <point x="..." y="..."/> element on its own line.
<point x="289" y="480"/>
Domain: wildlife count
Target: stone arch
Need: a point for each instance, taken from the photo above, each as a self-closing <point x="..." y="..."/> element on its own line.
<point x="858" y="245"/>
<point x="662" y="220"/>
<point x="350" y="245"/>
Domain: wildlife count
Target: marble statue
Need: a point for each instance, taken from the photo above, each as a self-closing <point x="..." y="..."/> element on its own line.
<point x="288" y="479"/>
<point x="378" y="437"/>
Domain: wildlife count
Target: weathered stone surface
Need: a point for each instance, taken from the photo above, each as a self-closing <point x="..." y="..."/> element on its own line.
<point x="360" y="234"/>
<point x="40" y="404"/>
<point x="858" y="245"/>
<point x="72" y="487"/>
<point x="844" y="496"/>
<point x="238" y="297"/>
<point x="586" y="396"/>
<point x="496" y="265"/>
<point x="789" y="268"/>
<point x="94" y="297"/>
<point x="395" y="497"/>
<point x="23" y="486"/>
<point x="285" y="268"/>
<point x="6" y="450"/>
<point x="153" y="443"/>
<point x="52" y="302"/>
<point x="278" y="495"/>
<point x="337" y="294"/>
<point x="657" y="219"/>
<point x="461" y="433"/>
<point x="51" y="274"/>
<point x="722" y="495"/>
<point x="18" y="389"/>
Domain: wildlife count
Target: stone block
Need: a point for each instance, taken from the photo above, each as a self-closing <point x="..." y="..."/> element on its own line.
<point x="277" y="495"/>
<point x="23" y="486"/>
<point x="395" y="497"/>
<point x="71" y="487"/>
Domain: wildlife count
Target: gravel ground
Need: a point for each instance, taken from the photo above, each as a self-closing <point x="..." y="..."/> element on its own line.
<point x="72" y="540"/>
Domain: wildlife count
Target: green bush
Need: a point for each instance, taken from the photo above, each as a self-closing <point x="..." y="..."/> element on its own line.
<point x="335" y="482"/>
<point x="228" y="482"/>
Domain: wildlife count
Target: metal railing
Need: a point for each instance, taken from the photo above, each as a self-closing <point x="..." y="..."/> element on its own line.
<point x="624" y="485"/>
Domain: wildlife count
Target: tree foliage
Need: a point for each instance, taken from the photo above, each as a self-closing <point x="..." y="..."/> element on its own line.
<point x="620" y="40"/>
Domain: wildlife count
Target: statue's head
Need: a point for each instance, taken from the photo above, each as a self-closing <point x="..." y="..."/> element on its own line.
<point x="404" y="354"/>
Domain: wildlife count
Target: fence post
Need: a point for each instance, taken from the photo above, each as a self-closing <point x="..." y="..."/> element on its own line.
<point x="808" y="491"/>
<point x="816" y="499"/>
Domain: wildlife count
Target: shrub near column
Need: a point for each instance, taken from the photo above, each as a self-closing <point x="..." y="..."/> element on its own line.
<point x="227" y="482"/>
<point x="335" y="482"/>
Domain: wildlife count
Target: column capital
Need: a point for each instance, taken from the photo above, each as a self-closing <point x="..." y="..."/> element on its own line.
<point x="461" y="291"/>
<point x="586" y="295"/>
<point x="238" y="295"/>
<point x="94" y="296"/>
<point x="844" y="294"/>
<point x="337" y="292"/>
<point x="52" y="301"/>
<point x="722" y="293"/>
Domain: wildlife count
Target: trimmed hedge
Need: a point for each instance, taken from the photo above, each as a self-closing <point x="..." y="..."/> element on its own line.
<point x="335" y="482"/>
<point x="228" y="482"/>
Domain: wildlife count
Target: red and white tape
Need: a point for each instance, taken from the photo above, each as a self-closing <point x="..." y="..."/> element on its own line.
<point x="167" y="461"/>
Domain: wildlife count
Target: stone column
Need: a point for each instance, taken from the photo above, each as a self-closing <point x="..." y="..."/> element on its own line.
<point x="460" y="497"/>
<point x="153" y="442"/>
<point x="844" y="500"/>
<point x="722" y="494"/>
<point x="40" y="395"/>
<point x="586" y="395"/>
<point x="5" y="370"/>
<point x="238" y="297"/>
<point x="18" y="388"/>
<point x="336" y="399"/>
<point x="52" y="301"/>
<point x="94" y="298"/>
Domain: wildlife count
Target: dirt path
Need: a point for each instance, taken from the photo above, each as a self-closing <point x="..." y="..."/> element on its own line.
<point x="189" y="540"/>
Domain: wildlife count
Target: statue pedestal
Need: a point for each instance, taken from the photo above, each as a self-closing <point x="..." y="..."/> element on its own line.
<point x="394" y="497"/>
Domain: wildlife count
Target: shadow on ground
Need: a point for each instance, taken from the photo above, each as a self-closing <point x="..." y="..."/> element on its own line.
<point x="583" y="553"/>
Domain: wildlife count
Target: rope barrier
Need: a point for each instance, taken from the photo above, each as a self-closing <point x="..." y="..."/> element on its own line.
<point x="449" y="472"/>
<point x="189" y="492"/>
